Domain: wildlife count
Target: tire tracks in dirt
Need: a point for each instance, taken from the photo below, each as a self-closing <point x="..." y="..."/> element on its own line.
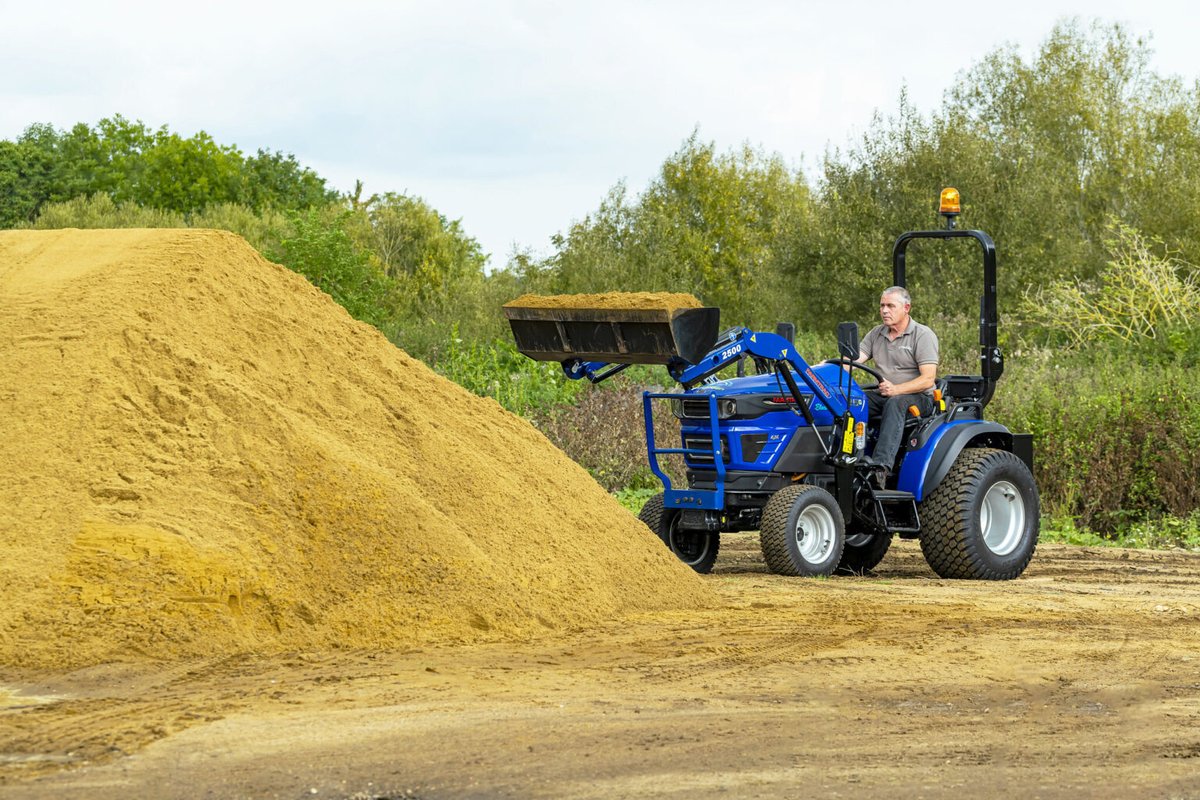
<point x="1072" y="680"/>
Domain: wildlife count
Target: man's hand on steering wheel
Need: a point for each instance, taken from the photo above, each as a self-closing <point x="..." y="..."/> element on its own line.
<point x="847" y="362"/>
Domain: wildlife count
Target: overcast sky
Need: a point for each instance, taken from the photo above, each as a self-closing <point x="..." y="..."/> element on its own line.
<point x="516" y="117"/>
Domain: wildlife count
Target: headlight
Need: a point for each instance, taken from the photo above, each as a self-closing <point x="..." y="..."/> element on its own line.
<point x="726" y="407"/>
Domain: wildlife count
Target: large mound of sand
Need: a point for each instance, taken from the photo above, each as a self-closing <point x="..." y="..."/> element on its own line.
<point x="203" y="454"/>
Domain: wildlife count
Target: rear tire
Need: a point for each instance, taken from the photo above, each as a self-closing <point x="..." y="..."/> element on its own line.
<point x="802" y="532"/>
<point x="981" y="522"/>
<point x="863" y="552"/>
<point x="695" y="548"/>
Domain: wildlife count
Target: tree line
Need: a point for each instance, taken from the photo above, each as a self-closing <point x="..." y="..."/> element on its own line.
<point x="1055" y="156"/>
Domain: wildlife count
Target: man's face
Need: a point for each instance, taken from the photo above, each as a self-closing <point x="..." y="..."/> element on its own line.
<point x="893" y="310"/>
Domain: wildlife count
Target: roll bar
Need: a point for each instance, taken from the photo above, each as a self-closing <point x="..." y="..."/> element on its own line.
<point x="991" y="360"/>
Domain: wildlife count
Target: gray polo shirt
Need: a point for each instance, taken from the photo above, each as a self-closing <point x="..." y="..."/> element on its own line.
<point x="898" y="360"/>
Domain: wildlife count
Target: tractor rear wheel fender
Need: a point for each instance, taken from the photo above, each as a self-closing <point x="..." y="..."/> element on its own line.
<point x="955" y="439"/>
<point x="697" y="549"/>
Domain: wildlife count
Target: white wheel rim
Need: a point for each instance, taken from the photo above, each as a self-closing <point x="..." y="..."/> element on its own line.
<point x="1002" y="518"/>
<point x="857" y="539"/>
<point x="815" y="532"/>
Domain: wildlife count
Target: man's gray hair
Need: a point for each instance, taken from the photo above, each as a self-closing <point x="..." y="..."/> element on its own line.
<point x="901" y="292"/>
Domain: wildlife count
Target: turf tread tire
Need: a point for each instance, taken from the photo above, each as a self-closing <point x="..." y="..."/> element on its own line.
<point x="861" y="559"/>
<point x="776" y="529"/>
<point x="950" y="540"/>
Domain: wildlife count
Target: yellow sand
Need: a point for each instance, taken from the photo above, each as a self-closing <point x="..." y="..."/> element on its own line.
<point x="203" y="454"/>
<point x="639" y="301"/>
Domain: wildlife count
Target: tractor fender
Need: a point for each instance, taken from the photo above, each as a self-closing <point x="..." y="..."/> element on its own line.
<point x="925" y="467"/>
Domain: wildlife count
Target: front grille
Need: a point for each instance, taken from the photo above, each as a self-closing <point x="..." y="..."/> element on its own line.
<point x="704" y="443"/>
<point x="694" y="408"/>
<point x="752" y="446"/>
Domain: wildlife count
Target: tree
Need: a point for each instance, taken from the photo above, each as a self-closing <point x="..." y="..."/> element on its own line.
<point x="185" y="175"/>
<point x="129" y="162"/>
<point x="24" y="174"/>
<point x="1045" y="151"/>
<point x="320" y="249"/>
<point x="709" y="223"/>
<point x="411" y="242"/>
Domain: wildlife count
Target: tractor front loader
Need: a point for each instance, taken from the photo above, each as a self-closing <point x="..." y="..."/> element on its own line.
<point x="783" y="450"/>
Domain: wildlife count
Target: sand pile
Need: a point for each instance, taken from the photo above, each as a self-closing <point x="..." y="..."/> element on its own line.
<point x="203" y="454"/>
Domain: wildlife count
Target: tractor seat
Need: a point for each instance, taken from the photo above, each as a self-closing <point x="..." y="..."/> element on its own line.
<point x="962" y="387"/>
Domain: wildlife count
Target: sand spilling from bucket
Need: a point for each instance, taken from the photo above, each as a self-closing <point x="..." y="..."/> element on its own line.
<point x="633" y="301"/>
<point x="203" y="454"/>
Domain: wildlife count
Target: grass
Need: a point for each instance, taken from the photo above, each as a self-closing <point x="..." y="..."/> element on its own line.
<point x="634" y="499"/>
<point x="1166" y="533"/>
<point x="497" y="370"/>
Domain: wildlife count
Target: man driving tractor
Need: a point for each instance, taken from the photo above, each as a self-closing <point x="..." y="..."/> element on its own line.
<point x="906" y="354"/>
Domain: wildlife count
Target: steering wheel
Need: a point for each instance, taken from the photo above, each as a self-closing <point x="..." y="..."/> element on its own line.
<point x="849" y="362"/>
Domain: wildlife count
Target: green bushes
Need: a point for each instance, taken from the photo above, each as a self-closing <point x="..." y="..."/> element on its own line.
<point x="604" y="431"/>
<point x="101" y="211"/>
<point x="128" y="162"/>
<point x="1115" y="437"/>
<point x="319" y="248"/>
<point x="497" y="370"/>
<point x="1140" y="294"/>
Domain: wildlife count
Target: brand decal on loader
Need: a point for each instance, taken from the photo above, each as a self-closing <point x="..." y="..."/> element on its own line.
<point x="729" y="353"/>
<point x="812" y="376"/>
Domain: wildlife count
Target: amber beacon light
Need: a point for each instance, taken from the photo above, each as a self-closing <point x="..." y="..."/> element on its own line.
<point x="950" y="205"/>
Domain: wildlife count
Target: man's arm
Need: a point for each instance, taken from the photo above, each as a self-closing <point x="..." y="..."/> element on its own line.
<point x="921" y="383"/>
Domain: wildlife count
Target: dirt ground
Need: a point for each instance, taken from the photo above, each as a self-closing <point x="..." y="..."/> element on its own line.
<point x="1080" y="679"/>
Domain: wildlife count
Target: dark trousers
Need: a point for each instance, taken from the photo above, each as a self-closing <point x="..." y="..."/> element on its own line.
<point x="891" y="413"/>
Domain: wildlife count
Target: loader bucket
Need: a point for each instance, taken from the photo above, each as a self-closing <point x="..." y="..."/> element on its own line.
<point x="637" y="334"/>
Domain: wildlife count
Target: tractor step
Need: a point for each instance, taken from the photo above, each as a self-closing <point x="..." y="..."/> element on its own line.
<point x="563" y="327"/>
<point x="897" y="511"/>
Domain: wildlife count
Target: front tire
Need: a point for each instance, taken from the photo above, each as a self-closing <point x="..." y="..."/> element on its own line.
<point x="697" y="549"/>
<point x="802" y="532"/>
<point x="981" y="522"/>
<point x="863" y="552"/>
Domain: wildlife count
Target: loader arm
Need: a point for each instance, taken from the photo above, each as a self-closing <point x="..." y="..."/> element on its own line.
<point x="841" y="449"/>
<point x="733" y="345"/>
<point x="777" y="352"/>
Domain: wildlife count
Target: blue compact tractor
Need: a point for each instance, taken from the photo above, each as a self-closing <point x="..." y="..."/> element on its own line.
<point x="782" y="450"/>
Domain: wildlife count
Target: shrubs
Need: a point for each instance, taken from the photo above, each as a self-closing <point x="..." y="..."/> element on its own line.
<point x="1140" y="295"/>
<point x="497" y="370"/>
<point x="604" y="431"/>
<point x="1114" y="408"/>
<point x="1115" y="436"/>
<point x="320" y="249"/>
